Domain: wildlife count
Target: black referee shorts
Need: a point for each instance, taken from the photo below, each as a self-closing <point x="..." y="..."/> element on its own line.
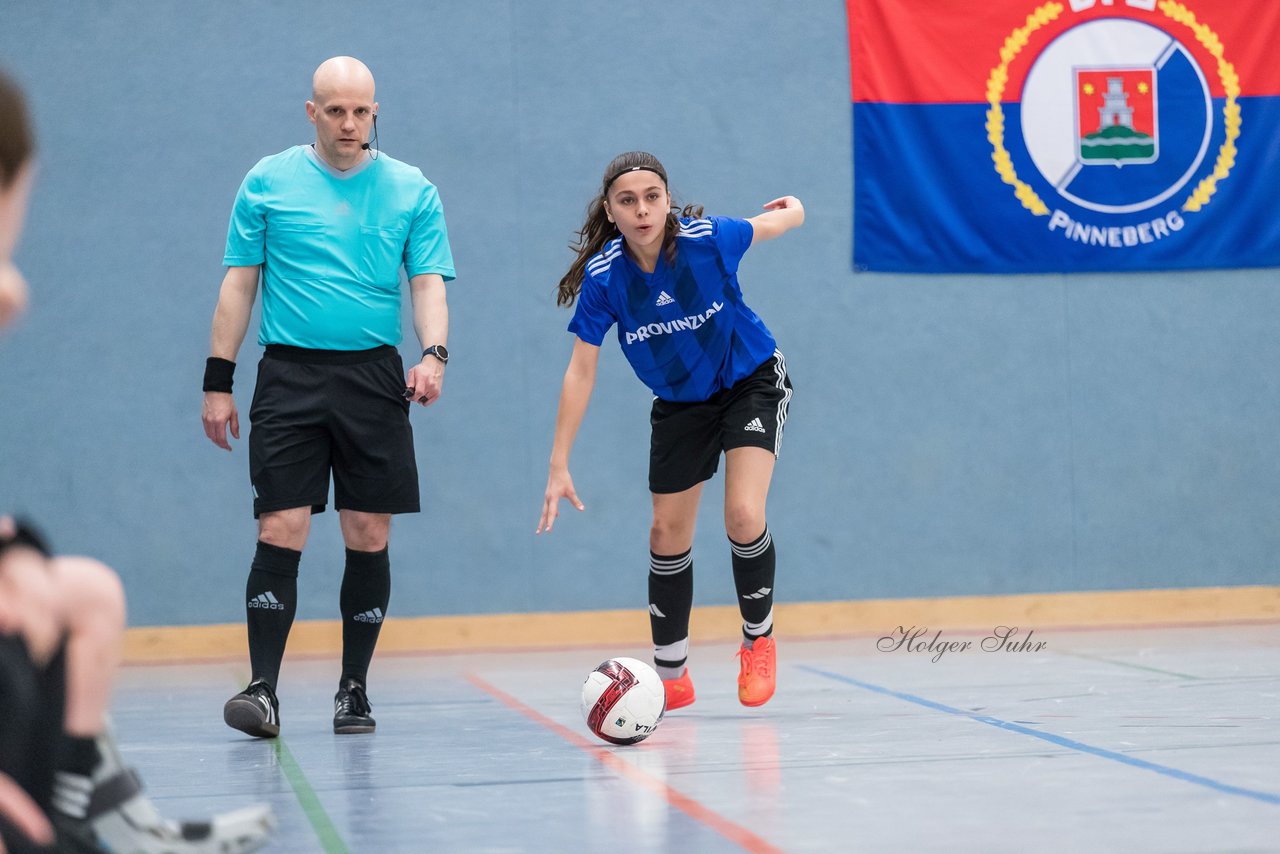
<point x="688" y="438"/>
<point x="321" y="411"/>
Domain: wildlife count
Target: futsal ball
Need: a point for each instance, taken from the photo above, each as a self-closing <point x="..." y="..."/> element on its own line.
<point x="623" y="701"/>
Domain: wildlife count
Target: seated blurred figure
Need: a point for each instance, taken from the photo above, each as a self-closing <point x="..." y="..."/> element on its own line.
<point x="63" y="786"/>
<point x="61" y="631"/>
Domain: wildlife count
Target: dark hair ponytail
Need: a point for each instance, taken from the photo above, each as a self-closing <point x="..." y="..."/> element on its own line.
<point x="16" y="141"/>
<point x="597" y="230"/>
<point x="594" y="234"/>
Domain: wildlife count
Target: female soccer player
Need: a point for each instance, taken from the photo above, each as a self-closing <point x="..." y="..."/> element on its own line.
<point x="719" y="382"/>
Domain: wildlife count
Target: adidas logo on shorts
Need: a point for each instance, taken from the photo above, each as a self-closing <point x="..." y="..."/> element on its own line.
<point x="755" y="426"/>
<point x="265" y="600"/>
<point x="664" y="298"/>
<point x="374" y="616"/>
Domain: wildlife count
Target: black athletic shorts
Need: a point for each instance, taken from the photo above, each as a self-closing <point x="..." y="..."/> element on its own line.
<point x="688" y="438"/>
<point x="32" y="707"/>
<point x="321" y="411"/>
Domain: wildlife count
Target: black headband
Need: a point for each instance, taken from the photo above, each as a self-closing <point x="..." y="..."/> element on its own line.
<point x="617" y="175"/>
<point x="24" y="535"/>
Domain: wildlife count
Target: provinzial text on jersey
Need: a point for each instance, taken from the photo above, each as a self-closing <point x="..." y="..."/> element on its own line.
<point x="693" y="321"/>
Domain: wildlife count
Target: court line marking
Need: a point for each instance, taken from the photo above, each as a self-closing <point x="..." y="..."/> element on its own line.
<point x="1061" y="741"/>
<point x="330" y="840"/>
<point x="1127" y="664"/>
<point x="733" y="832"/>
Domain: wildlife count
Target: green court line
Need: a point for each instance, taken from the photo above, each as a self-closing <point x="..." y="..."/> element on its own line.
<point x="1129" y="665"/>
<point x="330" y="840"/>
<point x="328" y="835"/>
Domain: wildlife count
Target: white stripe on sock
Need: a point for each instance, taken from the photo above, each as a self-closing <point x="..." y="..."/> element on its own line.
<point x="677" y="651"/>
<point x="73" y="781"/>
<point x="667" y="566"/>
<point x="755" y="549"/>
<point x="758" y="629"/>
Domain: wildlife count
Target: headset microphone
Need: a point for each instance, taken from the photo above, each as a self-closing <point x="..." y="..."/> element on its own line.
<point x="366" y="146"/>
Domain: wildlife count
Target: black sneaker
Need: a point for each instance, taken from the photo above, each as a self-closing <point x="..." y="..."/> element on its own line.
<point x="351" y="708"/>
<point x="254" y="711"/>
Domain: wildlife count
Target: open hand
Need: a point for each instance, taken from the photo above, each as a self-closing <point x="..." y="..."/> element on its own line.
<point x="559" y="485"/>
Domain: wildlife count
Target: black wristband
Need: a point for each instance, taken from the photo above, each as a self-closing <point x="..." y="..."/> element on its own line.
<point x="218" y="374"/>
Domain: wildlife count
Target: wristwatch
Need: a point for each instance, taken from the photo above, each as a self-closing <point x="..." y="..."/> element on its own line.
<point x="439" y="351"/>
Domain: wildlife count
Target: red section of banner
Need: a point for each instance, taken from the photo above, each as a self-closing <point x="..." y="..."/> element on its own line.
<point x="1095" y="90"/>
<point x="944" y="51"/>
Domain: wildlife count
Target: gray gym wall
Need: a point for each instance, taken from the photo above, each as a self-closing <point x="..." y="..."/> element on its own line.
<point x="949" y="435"/>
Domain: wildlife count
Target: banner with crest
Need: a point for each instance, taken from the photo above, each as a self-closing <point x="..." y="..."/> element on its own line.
<point x="1023" y="136"/>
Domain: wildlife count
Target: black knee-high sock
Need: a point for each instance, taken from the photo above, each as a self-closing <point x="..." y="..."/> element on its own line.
<point x="366" y="590"/>
<point x="670" y="601"/>
<point x="77" y="759"/>
<point x="753" y="569"/>
<point x="272" y="594"/>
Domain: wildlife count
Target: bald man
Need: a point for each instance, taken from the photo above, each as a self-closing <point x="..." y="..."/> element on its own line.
<point x="327" y="227"/>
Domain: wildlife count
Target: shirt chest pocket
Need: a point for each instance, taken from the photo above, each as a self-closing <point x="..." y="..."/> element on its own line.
<point x="298" y="238"/>
<point x="381" y="253"/>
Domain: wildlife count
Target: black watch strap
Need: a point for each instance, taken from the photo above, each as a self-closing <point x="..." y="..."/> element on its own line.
<point x="439" y="351"/>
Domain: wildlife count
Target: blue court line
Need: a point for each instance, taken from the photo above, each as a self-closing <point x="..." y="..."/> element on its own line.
<point x="1196" y="779"/>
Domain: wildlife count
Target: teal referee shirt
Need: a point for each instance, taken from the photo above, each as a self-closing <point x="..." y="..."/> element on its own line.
<point x="331" y="245"/>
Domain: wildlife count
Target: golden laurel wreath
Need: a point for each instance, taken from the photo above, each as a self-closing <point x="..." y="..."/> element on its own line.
<point x="1043" y="15"/>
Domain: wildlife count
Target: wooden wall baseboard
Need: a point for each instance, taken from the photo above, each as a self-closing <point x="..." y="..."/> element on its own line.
<point x="1130" y="608"/>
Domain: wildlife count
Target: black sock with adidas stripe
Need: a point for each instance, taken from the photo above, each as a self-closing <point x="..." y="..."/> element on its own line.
<point x="77" y="759"/>
<point x="670" y="602"/>
<point x="753" y="570"/>
<point x="366" y="590"/>
<point x="272" y="594"/>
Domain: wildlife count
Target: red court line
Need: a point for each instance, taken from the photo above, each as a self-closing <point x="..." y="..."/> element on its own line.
<point x="721" y="825"/>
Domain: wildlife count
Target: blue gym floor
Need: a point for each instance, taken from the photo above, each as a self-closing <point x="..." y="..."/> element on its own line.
<point x="1137" y="740"/>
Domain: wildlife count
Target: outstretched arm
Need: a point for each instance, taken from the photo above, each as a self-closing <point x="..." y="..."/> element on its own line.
<point x="579" y="380"/>
<point x="781" y="216"/>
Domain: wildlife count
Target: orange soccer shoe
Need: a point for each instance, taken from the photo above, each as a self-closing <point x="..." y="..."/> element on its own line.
<point x="679" y="691"/>
<point x="757" y="674"/>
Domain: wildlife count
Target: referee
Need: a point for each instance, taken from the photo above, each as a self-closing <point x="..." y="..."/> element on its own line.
<point x="327" y="228"/>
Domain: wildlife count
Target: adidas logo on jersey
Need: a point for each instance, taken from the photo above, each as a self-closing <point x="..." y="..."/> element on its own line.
<point x="755" y="426"/>
<point x="664" y="298"/>
<point x="266" y="600"/>
<point x="374" y="616"/>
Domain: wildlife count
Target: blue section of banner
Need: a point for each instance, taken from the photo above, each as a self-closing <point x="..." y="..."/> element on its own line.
<point x="928" y="199"/>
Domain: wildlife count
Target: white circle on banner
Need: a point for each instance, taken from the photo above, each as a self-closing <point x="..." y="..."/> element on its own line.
<point x="1050" y="114"/>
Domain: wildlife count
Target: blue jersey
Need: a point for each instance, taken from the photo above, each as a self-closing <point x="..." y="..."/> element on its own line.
<point x="331" y="245"/>
<point x="684" y="328"/>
